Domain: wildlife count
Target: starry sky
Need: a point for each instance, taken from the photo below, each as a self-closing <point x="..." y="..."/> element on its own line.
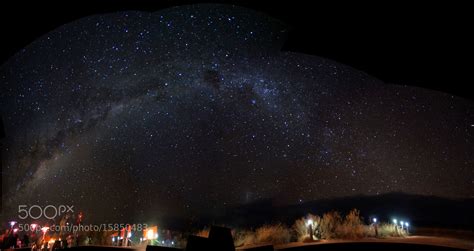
<point x="195" y="108"/>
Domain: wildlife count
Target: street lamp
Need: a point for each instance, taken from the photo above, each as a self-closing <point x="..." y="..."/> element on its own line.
<point x="310" y="228"/>
<point x="394" y="221"/>
<point x="402" y="224"/>
<point x="374" y="220"/>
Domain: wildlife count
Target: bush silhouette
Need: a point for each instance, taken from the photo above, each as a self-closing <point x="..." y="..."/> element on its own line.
<point x="274" y="234"/>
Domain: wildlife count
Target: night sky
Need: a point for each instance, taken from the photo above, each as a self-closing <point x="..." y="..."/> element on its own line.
<point x="195" y="108"/>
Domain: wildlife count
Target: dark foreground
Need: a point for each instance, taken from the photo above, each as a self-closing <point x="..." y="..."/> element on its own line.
<point x="371" y="246"/>
<point x="220" y="239"/>
<point x="380" y="246"/>
<point x="408" y="243"/>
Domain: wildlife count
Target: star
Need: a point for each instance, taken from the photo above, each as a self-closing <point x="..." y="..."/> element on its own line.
<point x="198" y="105"/>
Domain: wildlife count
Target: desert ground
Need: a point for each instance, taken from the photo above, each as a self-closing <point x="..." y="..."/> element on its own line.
<point x="411" y="243"/>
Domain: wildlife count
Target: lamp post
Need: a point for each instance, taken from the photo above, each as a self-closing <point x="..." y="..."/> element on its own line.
<point x="310" y="228"/>
<point x="395" y="225"/>
<point x="374" y="220"/>
<point x="406" y="225"/>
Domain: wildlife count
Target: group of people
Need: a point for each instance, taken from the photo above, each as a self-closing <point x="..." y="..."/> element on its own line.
<point x="11" y="239"/>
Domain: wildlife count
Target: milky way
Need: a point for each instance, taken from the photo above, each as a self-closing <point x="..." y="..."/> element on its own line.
<point x="196" y="108"/>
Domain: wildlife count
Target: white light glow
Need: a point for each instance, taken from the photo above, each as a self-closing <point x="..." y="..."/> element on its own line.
<point x="150" y="234"/>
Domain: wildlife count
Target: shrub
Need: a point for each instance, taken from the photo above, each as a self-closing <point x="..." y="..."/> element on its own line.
<point x="329" y="225"/>
<point x="352" y="227"/>
<point x="390" y="230"/>
<point x="244" y="238"/>
<point x="274" y="234"/>
<point x="203" y="233"/>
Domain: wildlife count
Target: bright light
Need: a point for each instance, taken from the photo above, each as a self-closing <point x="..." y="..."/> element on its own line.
<point x="141" y="239"/>
<point x="33" y="226"/>
<point x="310" y="222"/>
<point x="406" y="224"/>
<point x="15" y="230"/>
<point x="113" y="239"/>
<point x="129" y="234"/>
<point x="156" y="236"/>
<point x="402" y="223"/>
<point x="172" y="243"/>
<point x="12" y="223"/>
<point x="44" y="229"/>
<point x="394" y="221"/>
<point x="374" y="220"/>
<point x="149" y="234"/>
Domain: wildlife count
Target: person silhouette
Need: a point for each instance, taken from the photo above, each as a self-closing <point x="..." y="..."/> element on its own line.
<point x="26" y="240"/>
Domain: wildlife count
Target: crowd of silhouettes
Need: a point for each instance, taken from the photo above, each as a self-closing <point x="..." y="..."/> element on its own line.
<point x="11" y="239"/>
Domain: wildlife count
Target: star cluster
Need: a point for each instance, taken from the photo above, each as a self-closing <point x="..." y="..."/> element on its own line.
<point x="195" y="108"/>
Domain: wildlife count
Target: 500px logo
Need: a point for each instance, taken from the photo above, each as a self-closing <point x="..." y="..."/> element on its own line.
<point x="49" y="211"/>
